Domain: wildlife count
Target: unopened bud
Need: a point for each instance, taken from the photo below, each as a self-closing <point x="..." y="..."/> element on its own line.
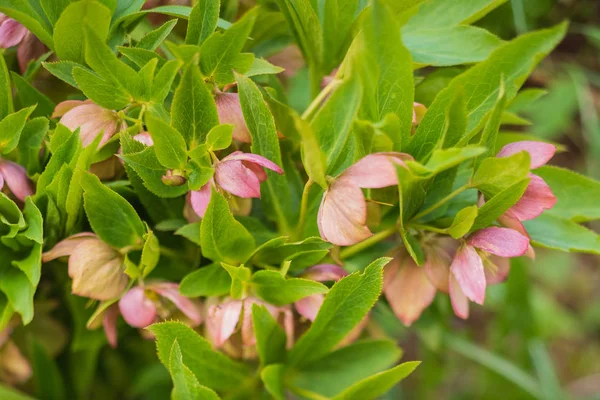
<point x="173" y="178"/>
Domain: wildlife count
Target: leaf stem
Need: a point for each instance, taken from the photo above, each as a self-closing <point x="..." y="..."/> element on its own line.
<point x="376" y="238"/>
<point x="303" y="208"/>
<point x="319" y="99"/>
<point x="441" y="202"/>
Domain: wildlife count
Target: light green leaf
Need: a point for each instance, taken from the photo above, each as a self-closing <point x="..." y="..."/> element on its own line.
<point x="441" y="13"/>
<point x="63" y="70"/>
<point x="338" y="16"/>
<point x="203" y="21"/>
<point x="219" y="137"/>
<point x="154" y="38"/>
<point x="270" y="337"/>
<point x="6" y="100"/>
<point x="273" y="288"/>
<point x="169" y="144"/>
<point x="102" y="92"/>
<point x="496" y="174"/>
<point x="562" y="234"/>
<point x="272" y="377"/>
<point x="463" y="221"/>
<point x="496" y="206"/>
<point x="263" y="67"/>
<point x="240" y="277"/>
<point x="29" y="96"/>
<point x="313" y="159"/>
<point x="186" y="386"/>
<point x="11" y="127"/>
<point x="212" y="280"/>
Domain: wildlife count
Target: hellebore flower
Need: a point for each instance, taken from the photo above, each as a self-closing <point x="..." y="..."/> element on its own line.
<point x="90" y="118"/>
<point x="14" y="367"/>
<point x="140" y="306"/>
<point x="96" y="269"/>
<point x="15" y="177"/>
<point x="239" y="174"/>
<point x="342" y="215"/>
<point x="309" y="306"/>
<point x="467" y="279"/>
<point x="13" y="33"/>
<point x="538" y="196"/>
<point x="230" y="112"/>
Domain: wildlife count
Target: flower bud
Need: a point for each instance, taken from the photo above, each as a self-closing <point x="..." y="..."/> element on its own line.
<point x="173" y="178"/>
<point x="136" y="308"/>
<point x="230" y="112"/>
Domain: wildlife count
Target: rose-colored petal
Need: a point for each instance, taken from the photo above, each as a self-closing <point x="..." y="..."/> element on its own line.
<point x="460" y="303"/>
<point x="222" y="319"/>
<point x="496" y="269"/>
<point x="144" y="138"/>
<point x="30" y="48"/>
<point x="376" y="170"/>
<point x="503" y="242"/>
<point x="137" y="309"/>
<point x="419" y="111"/>
<point x="510" y="220"/>
<point x="11" y="33"/>
<point x="539" y="152"/>
<point x="199" y="199"/>
<point x="254" y="158"/>
<point x="343" y="215"/>
<point x="65" y="247"/>
<point x="437" y="269"/>
<point x="15" y="177"/>
<point x="309" y="306"/>
<point x="236" y="179"/>
<point x="109" y="323"/>
<point x="537" y="198"/>
<point x="230" y="112"/>
<point x="467" y="268"/>
<point x="325" y="272"/>
<point x="185" y="305"/>
<point x="290" y="59"/>
<point x="257" y="169"/>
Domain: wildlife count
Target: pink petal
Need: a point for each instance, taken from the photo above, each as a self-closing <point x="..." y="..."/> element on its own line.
<point x="65" y="247"/>
<point x="409" y="292"/>
<point x="325" y="272"/>
<point x="144" y="138"/>
<point x="236" y="179"/>
<point x="497" y="269"/>
<point x="343" y="215"/>
<point x="65" y="106"/>
<point x="248" y="336"/>
<point x="503" y="242"/>
<point x="222" y="319"/>
<point x="199" y="199"/>
<point x="288" y="324"/>
<point x="137" y="309"/>
<point x="230" y="112"/>
<point x="467" y="268"/>
<point x="257" y="169"/>
<point x="537" y="198"/>
<point x="109" y="323"/>
<point x="510" y="220"/>
<point x="309" y="306"/>
<point x="15" y="177"/>
<point x="30" y="48"/>
<point x="460" y="303"/>
<point x="185" y="305"/>
<point x="376" y="170"/>
<point x="437" y="269"/>
<point x="91" y="119"/>
<point x="254" y="158"/>
<point x="11" y="33"/>
<point x="539" y="152"/>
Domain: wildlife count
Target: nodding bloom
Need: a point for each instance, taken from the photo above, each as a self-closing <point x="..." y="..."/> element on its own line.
<point x="230" y="112"/>
<point x="309" y="306"/>
<point x="15" y="178"/>
<point x="13" y="33"/>
<point x="14" y="367"/>
<point x="538" y="196"/>
<point x="90" y="118"/>
<point x="342" y="215"/>
<point x="239" y="174"/>
<point x="97" y="270"/>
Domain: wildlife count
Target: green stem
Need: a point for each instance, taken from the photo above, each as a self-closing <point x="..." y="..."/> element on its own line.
<point x="175" y="255"/>
<point x="303" y="208"/>
<point x="442" y="202"/>
<point x="318" y="100"/>
<point x="376" y="238"/>
<point x="427" y="228"/>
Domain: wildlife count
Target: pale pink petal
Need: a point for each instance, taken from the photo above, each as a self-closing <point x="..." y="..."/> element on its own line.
<point x="343" y="215"/>
<point x="248" y="336"/>
<point x="65" y="247"/>
<point x="309" y="306"/>
<point x="376" y="170"/>
<point x="1" y="181"/>
<point x="91" y="119"/>
<point x="65" y="106"/>
<point x="288" y="324"/>
<point x="15" y="177"/>
<point x="185" y="305"/>
<point x="467" y="268"/>
<point x="325" y="272"/>
<point x="137" y="309"/>
<point x="503" y="242"/>
<point x="437" y="269"/>
<point x="254" y="158"/>
<point x="537" y="198"/>
<point x="222" y="319"/>
<point x="460" y="303"/>
<point x="30" y="48"/>
<point x="144" y="138"/>
<point x="11" y="33"/>
<point x="109" y="323"/>
<point x="236" y="179"/>
<point x="199" y="199"/>
<point x="409" y="292"/>
<point x="539" y="152"/>
<point x="510" y="220"/>
<point x="497" y="269"/>
<point x="230" y="112"/>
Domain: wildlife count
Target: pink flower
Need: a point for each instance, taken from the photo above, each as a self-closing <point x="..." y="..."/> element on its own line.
<point x="140" y="306"/>
<point x="90" y="118"/>
<point x="96" y="269"/>
<point x="538" y="196"/>
<point x="342" y="215"/>
<point x="230" y="112"/>
<point x="13" y="33"/>
<point x="15" y="177"/>
<point x="309" y="306"/>
<point x="239" y="174"/>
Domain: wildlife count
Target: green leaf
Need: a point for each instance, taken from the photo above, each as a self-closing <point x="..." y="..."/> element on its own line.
<point x="54" y="8"/>
<point x="376" y="385"/>
<point x="30" y="96"/>
<point x="102" y="92"/>
<point x="342" y="368"/>
<point x="219" y="137"/>
<point x="489" y="136"/>
<point x="194" y="112"/>
<point x="575" y="194"/>
<point x="63" y="70"/>
<point x="17" y="287"/>
<point x="150" y="253"/>
<point x="496" y="174"/>
<point x="49" y="383"/>
<point x="263" y="67"/>
<point x="240" y="276"/>
<point x="496" y="206"/>
<point x="203" y="21"/>
<point x="346" y="304"/>
<point x="30" y="144"/>
<point x="270" y="336"/>
<point x="112" y="218"/>
<point x="211" y="280"/>
<point x="6" y="100"/>
<point x="70" y="29"/>
<point x="161" y="86"/>
<point x="313" y="159"/>
<point x="272" y="377"/>
<point x="190" y="231"/>
<point x="154" y="38"/>
<point x="211" y="368"/>
<point x="463" y="221"/>
<point x="222" y="237"/>
<point x="169" y="144"/>
<point x="276" y="194"/>
<point x="445" y="159"/>
<point x="562" y="234"/>
<point x="273" y="288"/>
<point x="186" y="386"/>
<point x="11" y="127"/>
<point x="338" y="16"/>
<point x="8" y="393"/>
<point x="440" y="13"/>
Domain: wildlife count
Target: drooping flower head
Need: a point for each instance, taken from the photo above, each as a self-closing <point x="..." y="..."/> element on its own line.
<point x="230" y="112"/>
<point x="13" y="33"/>
<point x="14" y="178"/>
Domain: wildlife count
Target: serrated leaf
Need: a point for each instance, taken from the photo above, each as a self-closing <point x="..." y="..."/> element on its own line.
<point x="273" y="288"/>
<point x="270" y="337"/>
<point x="212" y="280"/>
<point x="169" y="145"/>
<point x="154" y="38"/>
<point x="100" y="91"/>
<point x="186" y="386"/>
<point x="11" y="127"/>
<point x="203" y="21"/>
<point x="499" y="204"/>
